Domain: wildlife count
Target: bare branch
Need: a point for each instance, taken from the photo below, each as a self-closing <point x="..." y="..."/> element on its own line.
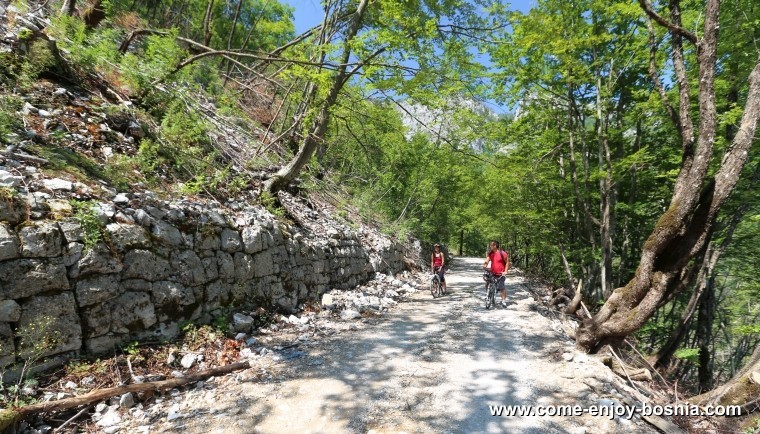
<point x="656" y="79"/>
<point x="667" y="24"/>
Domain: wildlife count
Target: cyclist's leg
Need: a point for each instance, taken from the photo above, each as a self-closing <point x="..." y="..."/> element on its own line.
<point x="503" y="288"/>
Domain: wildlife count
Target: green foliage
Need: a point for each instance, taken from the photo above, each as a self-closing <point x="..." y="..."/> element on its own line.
<point x="119" y="171"/>
<point x="10" y="122"/>
<point x="157" y="59"/>
<point x="220" y="322"/>
<point x="751" y="427"/>
<point x="35" y="340"/>
<point x="690" y="354"/>
<point x="37" y="60"/>
<point x="130" y="348"/>
<point x="269" y="202"/>
<point x="92" y="228"/>
<point x="69" y="161"/>
<point x="186" y="133"/>
<point x="82" y="367"/>
<point x="88" y="50"/>
<point x="149" y="157"/>
<point x="8" y="194"/>
<point x="260" y="24"/>
<point x="195" y="337"/>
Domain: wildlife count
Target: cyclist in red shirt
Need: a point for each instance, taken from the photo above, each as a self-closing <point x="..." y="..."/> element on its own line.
<point x="437" y="264"/>
<point x="499" y="260"/>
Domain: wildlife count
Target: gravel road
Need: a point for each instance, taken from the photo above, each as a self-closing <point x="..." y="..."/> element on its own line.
<point x="429" y="366"/>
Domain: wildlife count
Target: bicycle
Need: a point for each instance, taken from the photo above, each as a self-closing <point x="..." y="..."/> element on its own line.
<point x="435" y="285"/>
<point x="491" y="281"/>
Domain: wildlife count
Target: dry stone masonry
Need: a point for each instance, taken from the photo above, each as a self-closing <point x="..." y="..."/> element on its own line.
<point x="161" y="264"/>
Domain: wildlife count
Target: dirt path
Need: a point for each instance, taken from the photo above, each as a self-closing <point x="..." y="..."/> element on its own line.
<point x="427" y="366"/>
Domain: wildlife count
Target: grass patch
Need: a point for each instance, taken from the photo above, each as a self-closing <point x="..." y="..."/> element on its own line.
<point x="68" y="161"/>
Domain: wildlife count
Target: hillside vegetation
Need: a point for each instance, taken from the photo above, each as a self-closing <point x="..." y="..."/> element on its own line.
<point x="625" y="174"/>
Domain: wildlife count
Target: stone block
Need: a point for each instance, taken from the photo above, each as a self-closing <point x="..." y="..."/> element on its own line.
<point x="230" y="241"/>
<point x="127" y="237"/>
<point x="49" y="317"/>
<point x="145" y="265"/>
<point x="7" y="347"/>
<point x="96" y="289"/>
<point x="172" y="293"/>
<point x="97" y="260"/>
<point x="263" y="264"/>
<point x="8" y="243"/>
<point x="20" y="278"/>
<point x="167" y="234"/>
<point x="10" y="311"/>
<point x="132" y="311"/>
<point x="41" y="240"/>
<point x="188" y="268"/>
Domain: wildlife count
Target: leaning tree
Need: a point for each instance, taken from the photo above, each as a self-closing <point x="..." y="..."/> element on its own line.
<point x="401" y="47"/>
<point x="702" y="186"/>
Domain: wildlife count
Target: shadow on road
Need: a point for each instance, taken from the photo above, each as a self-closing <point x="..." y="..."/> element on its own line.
<point x="431" y="365"/>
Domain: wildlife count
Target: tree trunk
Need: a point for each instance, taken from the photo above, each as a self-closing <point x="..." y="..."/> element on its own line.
<point x="207" y="23"/>
<point x="94" y="14"/>
<point x="69" y="7"/>
<point x="605" y="190"/>
<point x="704" y="335"/>
<point x="318" y="127"/>
<point x="685" y="228"/>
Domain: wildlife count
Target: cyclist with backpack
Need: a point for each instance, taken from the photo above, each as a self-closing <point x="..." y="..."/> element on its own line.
<point x="499" y="260"/>
<point x="437" y="265"/>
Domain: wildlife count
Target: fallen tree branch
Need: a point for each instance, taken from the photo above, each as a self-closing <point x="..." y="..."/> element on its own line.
<point x="10" y="417"/>
<point x="72" y="419"/>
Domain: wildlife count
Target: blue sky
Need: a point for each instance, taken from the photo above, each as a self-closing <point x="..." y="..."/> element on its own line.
<point x="308" y="13"/>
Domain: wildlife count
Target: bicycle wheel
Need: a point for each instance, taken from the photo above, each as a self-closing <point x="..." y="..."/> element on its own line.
<point x="490" y="295"/>
<point x="434" y="285"/>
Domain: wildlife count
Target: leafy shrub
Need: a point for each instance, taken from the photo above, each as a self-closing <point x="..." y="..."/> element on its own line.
<point x="9" y="121"/>
<point x="88" y="50"/>
<point x="198" y="337"/>
<point x="92" y="229"/>
<point x="157" y="59"/>
<point x="35" y="340"/>
<point x="690" y="354"/>
<point x="270" y="203"/>
<point x="38" y="60"/>
<point x="149" y="156"/>
<point x="118" y="170"/>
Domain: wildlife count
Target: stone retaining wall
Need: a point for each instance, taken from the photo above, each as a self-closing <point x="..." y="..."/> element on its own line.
<point x="160" y="266"/>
